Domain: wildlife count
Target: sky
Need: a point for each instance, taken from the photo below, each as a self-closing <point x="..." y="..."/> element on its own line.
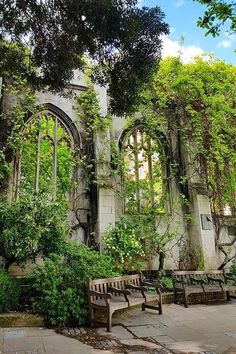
<point x="182" y="15"/>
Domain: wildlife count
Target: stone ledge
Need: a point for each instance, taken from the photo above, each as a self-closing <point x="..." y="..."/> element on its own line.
<point x="17" y="319"/>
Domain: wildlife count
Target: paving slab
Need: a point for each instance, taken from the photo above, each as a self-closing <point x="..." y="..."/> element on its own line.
<point x="163" y="339"/>
<point x="118" y="332"/>
<point x="200" y="328"/>
<point x="140" y="343"/>
<point x="39" y="332"/>
<point x="145" y="331"/>
<point x="208" y="329"/>
<point x="23" y="344"/>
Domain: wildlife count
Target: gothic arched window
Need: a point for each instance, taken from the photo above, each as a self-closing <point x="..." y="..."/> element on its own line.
<point x="45" y="160"/>
<point x="143" y="172"/>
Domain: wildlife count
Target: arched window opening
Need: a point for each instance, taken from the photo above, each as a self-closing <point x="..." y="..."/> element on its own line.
<point x="45" y="161"/>
<point x="143" y="173"/>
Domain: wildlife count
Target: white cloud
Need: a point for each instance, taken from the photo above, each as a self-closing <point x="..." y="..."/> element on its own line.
<point x="141" y="3"/>
<point x="173" y="48"/>
<point x="224" y="44"/>
<point x="179" y="3"/>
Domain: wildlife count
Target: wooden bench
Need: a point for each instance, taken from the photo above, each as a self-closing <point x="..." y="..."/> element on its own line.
<point x="201" y="282"/>
<point x="118" y="293"/>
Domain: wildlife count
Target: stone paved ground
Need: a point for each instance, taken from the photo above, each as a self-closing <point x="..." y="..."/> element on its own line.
<point x="207" y="328"/>
<point x="198" y="329"/>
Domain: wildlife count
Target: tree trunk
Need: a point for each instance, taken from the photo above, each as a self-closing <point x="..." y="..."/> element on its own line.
<point x="161" y="260"/>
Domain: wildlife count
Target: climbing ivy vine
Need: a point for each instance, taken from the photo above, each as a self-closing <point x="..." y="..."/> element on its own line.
<point x="196" y="104"/>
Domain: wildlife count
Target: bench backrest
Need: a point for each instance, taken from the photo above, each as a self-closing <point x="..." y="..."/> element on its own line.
<point x="198" y="274"/>
<point x="101" y="285"/>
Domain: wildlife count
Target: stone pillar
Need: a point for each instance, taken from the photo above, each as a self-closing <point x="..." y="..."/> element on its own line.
<point x="201" y="230"/>
<point x="105" y="191"/>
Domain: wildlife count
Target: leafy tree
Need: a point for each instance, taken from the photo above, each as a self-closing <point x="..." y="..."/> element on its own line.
<point x="54" y="36"/>
<point x="218" y="12"/>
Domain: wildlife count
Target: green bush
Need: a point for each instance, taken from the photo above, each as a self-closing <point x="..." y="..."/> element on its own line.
<point x="31" y="226"/>
<point x="126" y="244"/>
<point x="9" y="292"/>
<point x="166" y="282"/>
<point x="232" y="269"/>
<point x="60" y="284"/>
<point x="135" y="239"/>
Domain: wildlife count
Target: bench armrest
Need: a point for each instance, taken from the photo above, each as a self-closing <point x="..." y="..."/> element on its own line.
<point x="112" y="289"/>
<point x="215" y="280"/>
<point x="124" y="292"/>
<point x="180" y="281"/>
<point x="98" y="294"/>
<point x="151" y="285"/>
<point x="198" y="281"/>
<point x="135" y="287"/>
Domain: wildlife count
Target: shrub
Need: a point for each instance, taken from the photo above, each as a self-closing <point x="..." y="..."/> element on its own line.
<point x="9" y="292"/>
<point x="31" y="226"/>
<point x="61" y="284"/>
<point x="126" y="245"/>
<point x="166" y="281"/>
<point x="232" y="269"/>
<point x="135" y="240"/>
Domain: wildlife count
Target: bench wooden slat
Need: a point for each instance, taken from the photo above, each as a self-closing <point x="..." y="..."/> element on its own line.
<point x="189" y="286"/>
<point x="119" y="300"/>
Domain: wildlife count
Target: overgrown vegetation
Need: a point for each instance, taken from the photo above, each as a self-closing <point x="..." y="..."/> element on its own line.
<point x="60" y="284"/>
<point x="9" y="292"/>
<point x="31" y="227"/>
<point x="135" y="241"/>
<point x="195" y="102"/>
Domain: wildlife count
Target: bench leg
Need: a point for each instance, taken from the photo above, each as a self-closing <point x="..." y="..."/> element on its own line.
<point x="185" y="300"/>
<point x="109" y="320"/>
<point x="160" y="305"/>
<point x="91" y="315"/>
<point x="175" y="297"/>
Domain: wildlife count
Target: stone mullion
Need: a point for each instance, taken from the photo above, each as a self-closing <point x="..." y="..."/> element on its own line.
<point x="37" y="171"/>
<point x="54" y="167"/>
<point x="150" y="171"/>
<point x="136" y="169"/>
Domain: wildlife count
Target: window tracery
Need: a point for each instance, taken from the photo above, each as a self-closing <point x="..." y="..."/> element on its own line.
<point x="143" y="172"/>
<point x="44" y="162"/>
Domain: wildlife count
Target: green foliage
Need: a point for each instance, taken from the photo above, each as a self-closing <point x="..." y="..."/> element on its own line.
<point x="134" y="240"/>
<point x="31" y="227"/>
<point x="88" y="108"/>
<point x="123" y="39"/>
<point x="9" y="292"/>
<point x="45" y="124"/>
<point x="89" y="116"/>
<point x="61" y="284"/>
<point x="218" y="13"/>
<point x="18" y="100"/>
<point x="4" y="166"/>
<point x="124" y="245"/>
<point x="198" y="101"/>
<point x="142" y="173"/>
<point x="232" y="269"/>
<point x="165" y="280"/>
